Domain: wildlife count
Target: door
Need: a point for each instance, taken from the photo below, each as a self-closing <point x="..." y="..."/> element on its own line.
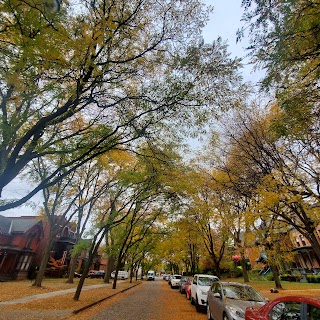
<point x="194" y="289"/>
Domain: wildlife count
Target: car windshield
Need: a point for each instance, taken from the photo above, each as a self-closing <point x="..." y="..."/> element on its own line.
<point x="244" y="293"/>
<point x="206" y="281"/>
<point x="177" y="277"/>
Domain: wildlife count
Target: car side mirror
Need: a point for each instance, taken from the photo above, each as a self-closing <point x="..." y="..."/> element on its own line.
<point x="217" y="295"/>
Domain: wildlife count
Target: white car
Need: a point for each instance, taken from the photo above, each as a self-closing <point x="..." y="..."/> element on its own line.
<point x="199" y="290"/>
<point x="122" y="275"/>
<point x="175" y="280"/>
<point x="151" y="275"/>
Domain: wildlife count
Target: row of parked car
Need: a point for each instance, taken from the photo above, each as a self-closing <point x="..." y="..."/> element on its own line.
<point x="223" y="300"/>
<point x="122" y="275"/>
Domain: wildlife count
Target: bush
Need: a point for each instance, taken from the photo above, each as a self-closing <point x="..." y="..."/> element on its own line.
<point x="235" y="273"/>
<point x="238" y="272"/>
<point x="312" y="278"/>
<point x="290" y="277"/>
<point x="269" y="277"/>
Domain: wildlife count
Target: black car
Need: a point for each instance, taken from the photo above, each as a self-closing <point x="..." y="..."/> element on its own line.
<point x="97" y="274"/>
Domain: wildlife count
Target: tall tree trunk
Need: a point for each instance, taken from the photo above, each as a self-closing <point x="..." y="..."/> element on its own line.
<point x="114" y="285"/>
<point x="44" y="261"/>
<point x="131" y="270"/>
<point x="137" y="269"/>
<point x="110" y="268"/>
<point x="72" y="268"/>
<point x="244" y="269"/>
<point x="276" y="276"/>
<point x="111" y="259"/>
<point x="93" y="251"/>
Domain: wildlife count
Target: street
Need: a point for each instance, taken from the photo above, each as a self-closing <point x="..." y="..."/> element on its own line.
<point x="152" y="300"/>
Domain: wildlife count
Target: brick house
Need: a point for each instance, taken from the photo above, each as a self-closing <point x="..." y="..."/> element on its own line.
<point x="19" y="242"/>
<point x="306" y="260"/>
<point x="23" y="241"/>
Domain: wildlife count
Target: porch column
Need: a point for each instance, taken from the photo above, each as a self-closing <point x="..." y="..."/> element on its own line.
<point x="3" y="259"/>
<point x="310" y="259"/>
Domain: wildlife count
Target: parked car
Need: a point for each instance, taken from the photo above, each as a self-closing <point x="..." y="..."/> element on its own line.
<point x="97" y="274"/>
<point x="288" y="308"/>
<point x="188" y="288"/>
<point x="122" y="275"/>
<point x="91" y="272"/>
<point x="199" y="287"/>
<point x="229" y="300"/>
<point x="175" y="280"/>
<point x="182" y="284"/>
<point x="169" y="279"/>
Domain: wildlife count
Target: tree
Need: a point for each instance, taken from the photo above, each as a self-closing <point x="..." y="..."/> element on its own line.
<point x="129" y="201"/>
<point x="208" y="212"/>
<point x="284" y="174"/>
<point x="109" y="74"/>
<point x="90" y="182"/>
<point x="285" y="42"/>
<point x="271" y="232"/>
<point x="56" y="211"/>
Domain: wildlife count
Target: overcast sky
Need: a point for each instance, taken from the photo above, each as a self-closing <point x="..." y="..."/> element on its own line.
<point x="224" y="22"/>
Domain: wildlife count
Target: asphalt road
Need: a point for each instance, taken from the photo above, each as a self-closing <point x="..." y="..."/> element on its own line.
<point x="152" y="300"/>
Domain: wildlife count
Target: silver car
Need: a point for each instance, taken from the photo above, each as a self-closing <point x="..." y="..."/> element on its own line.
<point x="229" y="300"/>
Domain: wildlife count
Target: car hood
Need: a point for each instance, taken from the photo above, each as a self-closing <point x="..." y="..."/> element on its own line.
<point x="243" y="305"/>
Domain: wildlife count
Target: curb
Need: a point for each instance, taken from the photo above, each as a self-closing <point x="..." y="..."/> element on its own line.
<point x="103" y="299"/>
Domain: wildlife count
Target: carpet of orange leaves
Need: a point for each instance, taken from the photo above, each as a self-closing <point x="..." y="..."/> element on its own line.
<point x="18" y="289"/>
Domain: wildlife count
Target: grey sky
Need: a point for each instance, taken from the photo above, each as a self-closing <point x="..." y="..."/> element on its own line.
<point x="224" y="22"/>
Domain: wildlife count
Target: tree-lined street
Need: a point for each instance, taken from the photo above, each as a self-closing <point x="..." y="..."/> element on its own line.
<point x="98" y="102"/>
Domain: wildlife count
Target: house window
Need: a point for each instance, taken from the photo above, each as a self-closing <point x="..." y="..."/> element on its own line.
<point x="303" y="241"/>
<point x="30" y="239"/>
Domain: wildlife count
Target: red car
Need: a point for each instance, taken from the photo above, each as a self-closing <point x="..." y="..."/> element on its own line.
<point x="287" y="308"/>
<point x="188" y="288"/>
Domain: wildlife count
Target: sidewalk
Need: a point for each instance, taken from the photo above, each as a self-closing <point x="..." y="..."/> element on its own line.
<point x="36" y="307"/>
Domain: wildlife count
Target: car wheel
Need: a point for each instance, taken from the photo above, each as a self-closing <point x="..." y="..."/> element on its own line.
<point x="192" y="301"/>
<point x="225" y="317"/>
<point x="209" y="313"/>
<point x="198" y="307"/>
<point x="187" y="296"/>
